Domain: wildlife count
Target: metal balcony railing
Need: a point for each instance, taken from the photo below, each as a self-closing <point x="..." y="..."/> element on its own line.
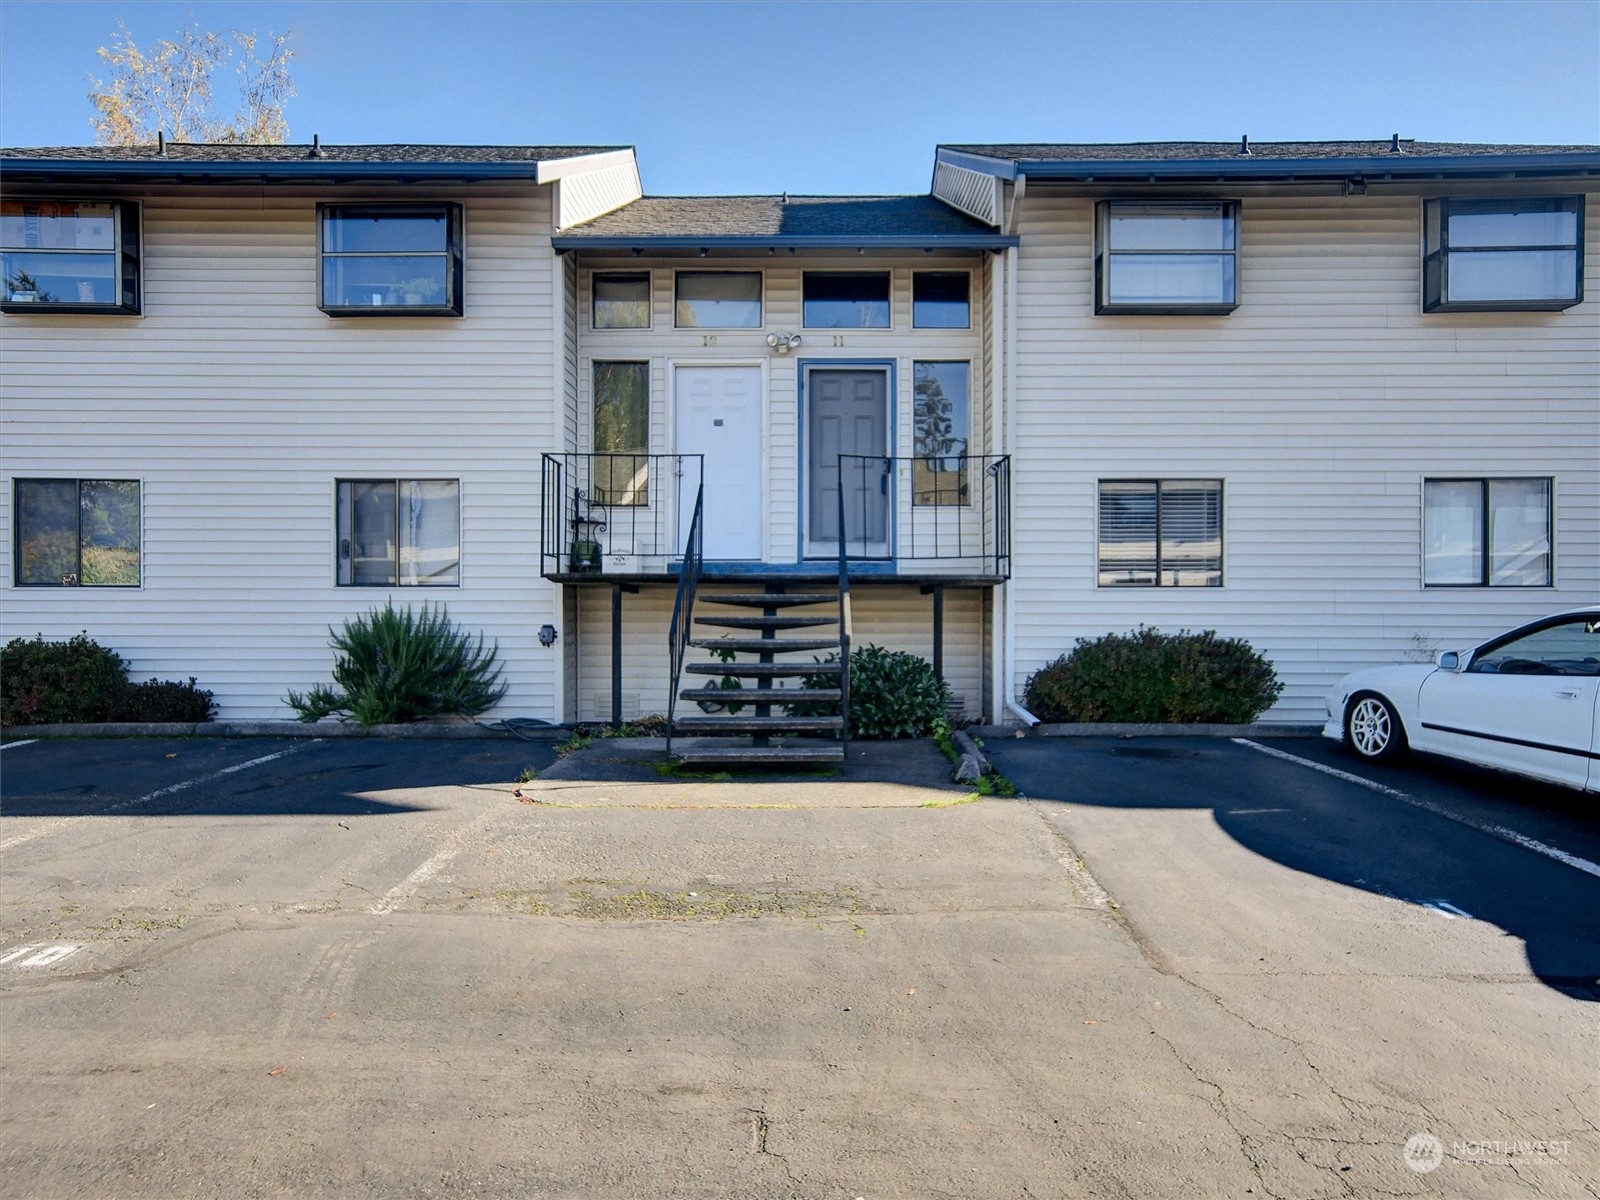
<point x="624" y="514"/>
<point x="928" y="515"/>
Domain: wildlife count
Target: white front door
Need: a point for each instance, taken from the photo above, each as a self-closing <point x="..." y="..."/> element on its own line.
<point x="719" y="416"/>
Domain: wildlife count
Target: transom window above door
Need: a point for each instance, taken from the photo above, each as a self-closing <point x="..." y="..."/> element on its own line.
<point x="847" y="300"/>
<point x="1157" y="257"/>
<point x="718" y="300"/>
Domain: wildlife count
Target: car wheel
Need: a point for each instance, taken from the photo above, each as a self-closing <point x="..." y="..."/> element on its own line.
<point x="1372" y="729"/>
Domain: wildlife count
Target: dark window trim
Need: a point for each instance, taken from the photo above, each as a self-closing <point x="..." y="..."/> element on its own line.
<point x="129" y="263"/>
<point x="1102" y="248"/>
<point x="1436" y="263"/>
<point x="341" y="551"/>
<point x="679" y="272"/>
<point x="1222" y="523"/>
<point x="1486" y="551"/>
<point x="454" y="254"/>
<point x="650" y="307"/>
<point x="16" y="533"/>
<point x="967" y="271"/>
<point x="887" y="274"/>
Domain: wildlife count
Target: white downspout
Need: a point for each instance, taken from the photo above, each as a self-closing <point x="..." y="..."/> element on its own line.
<point x="1009" y="623"/>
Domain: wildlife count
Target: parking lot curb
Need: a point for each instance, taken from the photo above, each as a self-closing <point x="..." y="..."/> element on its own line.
<point x="435" y="730"/>
<point x="1265" y="729"/>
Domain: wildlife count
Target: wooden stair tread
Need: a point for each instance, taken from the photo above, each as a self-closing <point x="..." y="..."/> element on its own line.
<point x="751" y="670"/>
<point x="774" y="623"/>
<point x="765" y="645"/>
<point x="735" y="753"/>
<point x="743" y="724"/>
<point x="774" y="696"/>
<point x="769" y="599"/>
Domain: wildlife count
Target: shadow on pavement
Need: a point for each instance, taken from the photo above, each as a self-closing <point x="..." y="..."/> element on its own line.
<point x="1334" y="829"/>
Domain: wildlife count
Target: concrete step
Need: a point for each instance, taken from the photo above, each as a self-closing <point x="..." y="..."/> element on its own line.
<point x="750" y="670"/>
<point x="769" y="599"/>
<point x="774" y="696"/>
<point x="766" y="645"/>
<point x="775" y="623"/>
<point x="744" y="724"/>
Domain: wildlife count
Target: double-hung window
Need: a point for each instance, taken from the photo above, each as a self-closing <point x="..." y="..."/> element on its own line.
<point x="621" y="433"/>
<point x="391" y="260"/>
<point x="76" y="532"/>
<point x="1167" y="257"/>
<point x="1160" y="533"/>
<point x="69" y="256"/>
<point x="1523" y="254"/>
<point x="1487" y="532"/>
<point x="399" y="532"/>
<point x="943" y="415"/>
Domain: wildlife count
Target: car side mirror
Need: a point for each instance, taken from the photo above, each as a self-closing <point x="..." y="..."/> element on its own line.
<point x="1449" y="660"/>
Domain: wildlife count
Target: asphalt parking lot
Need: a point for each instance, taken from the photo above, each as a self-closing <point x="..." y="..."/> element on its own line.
<point x="1176" y="968"/>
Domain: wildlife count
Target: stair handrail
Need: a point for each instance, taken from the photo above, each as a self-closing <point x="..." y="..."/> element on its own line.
<point x="845" y="629"/>
<point x="683" y="606"/>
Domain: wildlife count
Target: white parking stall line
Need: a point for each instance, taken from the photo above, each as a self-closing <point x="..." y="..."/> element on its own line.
<point x="14" y="745"/>
<point x="39" y="955"/>
<point x="171" y="789"/>
<point x="1446" y="910"/>
<point x="1500" y="832"/>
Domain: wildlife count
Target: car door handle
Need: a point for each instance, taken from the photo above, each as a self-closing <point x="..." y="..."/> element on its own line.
<point x="1568" y="695"/>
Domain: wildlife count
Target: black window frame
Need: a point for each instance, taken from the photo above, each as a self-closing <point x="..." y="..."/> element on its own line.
<point x="454" y="255"/>
<point x="964" y="273"/>
<point x="127" y="255"/>
<point x="1103" y="306"/>
<point x="1159" y="483"/>
<point x="341" y="552"/>
<point x="1486" y="548"/>
<point x="646" y="277"/>
<point x="77" y="576"/>
<point x="1436" y="213"/>
<point x="888" y="299"/>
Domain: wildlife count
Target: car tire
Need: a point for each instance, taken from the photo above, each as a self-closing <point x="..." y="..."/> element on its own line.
<point x="1372" y="729"/>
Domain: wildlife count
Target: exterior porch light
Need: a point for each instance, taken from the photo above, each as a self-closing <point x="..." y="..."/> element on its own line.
<point x="783" y="344"/>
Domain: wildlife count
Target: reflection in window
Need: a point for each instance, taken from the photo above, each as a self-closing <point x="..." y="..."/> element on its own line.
<point x="941" y="300"/>
<point x="69" y="256"/>
<point x="1160" y="533"/>
<point x="942" y="414"/>
<point x="389" y="260"/>
<point x="1570" y="649"/>
<point x="1486" y="533"/>
<point x="622" y="301"/>
<point x="621" y="433"/>
<point x="77" y="532"/>
<point x="847" y="299"/>
<point x="1503" y="254"/>
<point x="718" y="300"/>
<point x="1162" y="257"/>
<point x="399" y="533"/>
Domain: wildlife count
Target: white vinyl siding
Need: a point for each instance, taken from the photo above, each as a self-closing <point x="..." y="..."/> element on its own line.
<point x="238" y="404"/>
<point x="1324" y="400"/>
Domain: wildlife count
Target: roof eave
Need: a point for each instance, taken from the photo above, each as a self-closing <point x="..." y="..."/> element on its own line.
<point x="1316" y="170"/>
<point x="311" y="170"/>
<point x="944" y="241"/>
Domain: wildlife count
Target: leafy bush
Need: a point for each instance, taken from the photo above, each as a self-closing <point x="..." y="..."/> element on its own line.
<point x="1147" y="675"/>
<point x="395" y="666"/>
<point x="893" y="694"/>
<point x="79" y="680"/>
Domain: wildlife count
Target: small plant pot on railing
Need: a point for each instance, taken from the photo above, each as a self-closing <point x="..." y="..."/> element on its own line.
<point x="585" y="556"/>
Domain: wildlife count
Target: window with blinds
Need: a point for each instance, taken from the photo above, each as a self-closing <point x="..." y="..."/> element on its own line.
<point x="1160" y="533"/>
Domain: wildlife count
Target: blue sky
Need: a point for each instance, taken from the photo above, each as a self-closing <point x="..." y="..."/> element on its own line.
<point x="848" y="97"/>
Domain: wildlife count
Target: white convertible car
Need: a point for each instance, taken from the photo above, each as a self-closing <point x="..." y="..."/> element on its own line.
<point x="1527" y="701"/>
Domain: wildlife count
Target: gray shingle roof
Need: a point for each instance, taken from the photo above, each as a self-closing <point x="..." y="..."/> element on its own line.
<point x="791" y="218"/>
<point x="1192" y="151"/>
<point x="221" y="152"/>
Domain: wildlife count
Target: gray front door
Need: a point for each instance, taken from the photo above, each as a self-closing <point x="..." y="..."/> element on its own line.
<point x="847" y="412"/>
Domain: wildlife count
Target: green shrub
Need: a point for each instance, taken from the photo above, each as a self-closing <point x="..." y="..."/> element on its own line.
<point x="893" y="694"/>
<point x="394" y="666"/>
<point x="79" y="681"/>
<point x="1147" y="675"/>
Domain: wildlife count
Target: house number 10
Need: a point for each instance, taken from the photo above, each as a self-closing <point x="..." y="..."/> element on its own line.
<point x="711" y="339"/>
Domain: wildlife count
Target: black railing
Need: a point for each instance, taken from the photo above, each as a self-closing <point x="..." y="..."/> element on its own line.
<point x="625" y="514"/>
<point x="683" y="607"/>
<point x="846" y="631"/>
<point x="946" y="514"/>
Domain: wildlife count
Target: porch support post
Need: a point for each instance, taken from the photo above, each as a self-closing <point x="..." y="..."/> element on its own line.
<point x="616" y="656"/>
<point x="938" y="626"/>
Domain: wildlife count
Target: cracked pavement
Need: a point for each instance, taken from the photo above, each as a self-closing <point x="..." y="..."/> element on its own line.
<point x="373" y="969"/>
